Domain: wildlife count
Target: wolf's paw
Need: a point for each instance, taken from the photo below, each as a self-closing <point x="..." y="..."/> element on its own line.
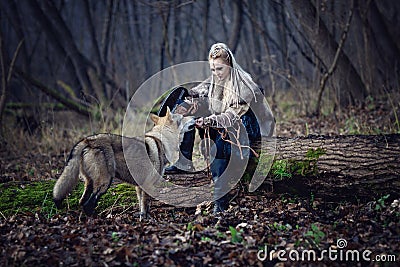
<point x="142" y="216"/>
<point x="58" y="203"/>
<point x="90" y="206"/>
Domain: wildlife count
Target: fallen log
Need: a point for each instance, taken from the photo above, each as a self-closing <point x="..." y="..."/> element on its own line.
<point x="363" y="157"/>
<point x="351" y="164"/>
<point x="351" y="167"/>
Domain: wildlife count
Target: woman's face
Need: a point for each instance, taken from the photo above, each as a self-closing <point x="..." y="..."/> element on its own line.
<point x="219" y="68"/>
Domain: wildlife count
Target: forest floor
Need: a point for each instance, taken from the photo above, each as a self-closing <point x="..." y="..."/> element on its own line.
<point x="289" y="223"/>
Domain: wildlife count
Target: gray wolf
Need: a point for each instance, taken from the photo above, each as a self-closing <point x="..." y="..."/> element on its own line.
<point x="99" y="158"/>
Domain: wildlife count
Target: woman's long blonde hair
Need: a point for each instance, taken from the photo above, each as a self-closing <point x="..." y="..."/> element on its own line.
<point x="237" y="74"/>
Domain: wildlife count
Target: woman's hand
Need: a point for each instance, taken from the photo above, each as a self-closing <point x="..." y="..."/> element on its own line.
<point x="188" y="107"/>
<point x="181" y="110"/>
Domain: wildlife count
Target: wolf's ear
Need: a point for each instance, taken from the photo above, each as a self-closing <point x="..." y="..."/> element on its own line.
<point x="154" y="118"/>
<point x="168" y="114"/>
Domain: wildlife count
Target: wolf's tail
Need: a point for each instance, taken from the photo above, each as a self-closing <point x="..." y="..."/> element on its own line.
<point x="70" y="176"/>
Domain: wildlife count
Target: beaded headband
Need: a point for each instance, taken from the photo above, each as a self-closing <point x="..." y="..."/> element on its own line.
<point x="219" y="51"/>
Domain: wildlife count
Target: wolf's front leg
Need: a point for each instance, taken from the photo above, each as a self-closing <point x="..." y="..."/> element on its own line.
<point x="142" y="199"/>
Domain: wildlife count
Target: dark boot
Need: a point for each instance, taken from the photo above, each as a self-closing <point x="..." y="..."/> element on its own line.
<point x="187" y="145"/>
<point x="221" y="185"/>
<point x="185" y="157"/>
<point x="221" y="204"/>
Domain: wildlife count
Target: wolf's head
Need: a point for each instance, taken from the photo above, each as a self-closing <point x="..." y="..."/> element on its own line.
<point x="170" y="129"/>
<point x="175" y="123"/>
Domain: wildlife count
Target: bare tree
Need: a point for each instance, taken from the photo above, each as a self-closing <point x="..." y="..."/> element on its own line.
<point x="97" y="60"/>
<point x="237" y="24"/>
<point x="63" y="34"/>
<point x="333" y="65"/>
<point x="349" y="83"/>
<point x="204" y="45"/>
<point x="381" y="52"/>
<point x="286" y="45"/>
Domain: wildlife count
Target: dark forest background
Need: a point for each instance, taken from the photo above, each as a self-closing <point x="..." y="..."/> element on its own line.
<point x="85" y="55"/>
<point x="330" y="71"/>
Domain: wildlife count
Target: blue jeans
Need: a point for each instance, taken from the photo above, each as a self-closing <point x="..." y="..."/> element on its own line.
<point x="223" y="151"/>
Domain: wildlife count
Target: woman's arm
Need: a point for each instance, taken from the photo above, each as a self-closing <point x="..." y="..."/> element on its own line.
<point x="233" y="113"/>
<point x="201" y="90"/>
<point x="228" y="118"/>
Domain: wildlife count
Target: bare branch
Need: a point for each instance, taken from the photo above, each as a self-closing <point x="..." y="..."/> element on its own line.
<point x="334" y="63"/>
<point x="54" y="94"/>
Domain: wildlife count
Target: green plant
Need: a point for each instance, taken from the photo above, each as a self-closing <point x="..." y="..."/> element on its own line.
<point x="279" y="227"/>
<point x="309" y="165"/>
<point x="221" y="235"/>
<point x="315" y="233"/>
<point x="280" y="169"/>
<point x="307" y="130"/>
<point x="312" y="199"/>
<point x="236" y="236"/>
<point x="205" y="239"/>
<point x="115" y="237"/>
<point x="396" y="118"/>
<point x="380" y="203"/>
<point x="264" y="162"/>
<point x="352" y="126"/>
<point x="370" y="103"/>
<point x="314" y="154"/>
<point x="29" y="197"/>
<point x="121" y="195"/>
<point x="48" y="208"/>
<point x="189" y="226"/>
<point x="246" y="178"/>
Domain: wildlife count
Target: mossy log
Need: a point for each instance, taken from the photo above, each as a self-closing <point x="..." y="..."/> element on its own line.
<point x="363" y="157"/>
<point x="358" y="165"/>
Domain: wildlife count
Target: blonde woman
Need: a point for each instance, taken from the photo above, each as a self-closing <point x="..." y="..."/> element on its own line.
<point x="227" y="100"/>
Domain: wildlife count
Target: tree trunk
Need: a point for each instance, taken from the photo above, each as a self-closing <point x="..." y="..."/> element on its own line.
<point x="237" y="25"/>
<point x="4" y="84"/>
<point x="350" y="86"/>
<point x="105" y="38"/>
<point x="223" y="20"/>
<point x="382" y="56"/>
<point x="63" y="34"/>
<point x="14" y="15"/>
<point x="97" y="61"/>
<point x="204" y="33"/>
<point x="358" y="159"/>
<point x="6" y="73"/>
<point x="48" y="28"/>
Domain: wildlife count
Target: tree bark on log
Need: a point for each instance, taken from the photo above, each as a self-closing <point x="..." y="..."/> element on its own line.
<point x="363" y="157"/>
<point x="352" y="167"/>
